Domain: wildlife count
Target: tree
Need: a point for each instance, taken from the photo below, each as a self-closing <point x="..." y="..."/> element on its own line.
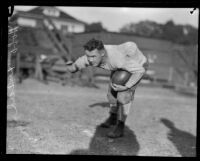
<point x="143" y="28"/>
<point x="95" y="27"/>
<point x="181" y="34"/>
<point x="171" y="32"/>
<point x="190" y="35"/>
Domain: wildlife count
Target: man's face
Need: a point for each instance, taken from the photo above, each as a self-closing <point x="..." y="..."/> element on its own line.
<point x="94" y="57"/>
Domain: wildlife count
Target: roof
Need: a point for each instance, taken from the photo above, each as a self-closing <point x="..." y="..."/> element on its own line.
<point x="62" y="15"/>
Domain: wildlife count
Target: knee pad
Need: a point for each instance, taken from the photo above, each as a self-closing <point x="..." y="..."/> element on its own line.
<point x="124" y="111"/>
<point x="126" y="108"/>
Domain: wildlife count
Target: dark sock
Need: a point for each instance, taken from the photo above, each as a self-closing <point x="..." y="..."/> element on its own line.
<point x="121" y="123"/>
<point x="113" y="114"/>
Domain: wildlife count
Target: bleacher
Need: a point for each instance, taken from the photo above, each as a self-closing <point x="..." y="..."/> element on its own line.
<point x="34" y="38"/>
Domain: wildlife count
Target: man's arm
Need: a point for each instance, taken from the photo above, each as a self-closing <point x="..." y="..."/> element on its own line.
<point x="79" y="64"/>
<point x="72" y="68"/>
<point x="134" y="79"/>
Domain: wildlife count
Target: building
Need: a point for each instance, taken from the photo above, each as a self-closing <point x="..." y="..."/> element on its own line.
<point x="62" y="21"/>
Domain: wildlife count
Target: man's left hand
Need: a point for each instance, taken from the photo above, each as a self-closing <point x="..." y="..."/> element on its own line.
<point x="118" y="88"/>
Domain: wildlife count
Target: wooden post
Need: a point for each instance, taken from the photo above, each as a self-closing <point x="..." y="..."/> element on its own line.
<point x="18" y="54"/>
<point x="171" y="70"/>
<point x="38" y="69"/>
<point x="186" y="76"/>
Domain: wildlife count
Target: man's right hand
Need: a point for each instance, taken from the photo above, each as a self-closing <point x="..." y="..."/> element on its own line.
<point x="71" y="67"/>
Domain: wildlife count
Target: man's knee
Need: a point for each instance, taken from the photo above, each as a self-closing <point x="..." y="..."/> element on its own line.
<point x="124" y="97"/>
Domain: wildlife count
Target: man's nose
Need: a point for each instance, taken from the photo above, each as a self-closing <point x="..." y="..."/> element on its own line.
<point x="90" y="60"/>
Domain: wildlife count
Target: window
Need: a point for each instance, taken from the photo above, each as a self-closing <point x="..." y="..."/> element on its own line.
<point x="51" y="12"/>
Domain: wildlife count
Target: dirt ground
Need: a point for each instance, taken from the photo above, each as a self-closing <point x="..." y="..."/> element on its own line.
<point x="56" y="119"/>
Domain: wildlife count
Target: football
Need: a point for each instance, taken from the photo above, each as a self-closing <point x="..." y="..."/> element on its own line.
<point x="120" y="77"/>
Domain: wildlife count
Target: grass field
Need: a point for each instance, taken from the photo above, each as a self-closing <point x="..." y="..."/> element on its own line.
<point x="56" y="119"/>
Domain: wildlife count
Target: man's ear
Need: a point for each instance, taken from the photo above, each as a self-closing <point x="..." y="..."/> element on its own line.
<point x="103" y="52"/>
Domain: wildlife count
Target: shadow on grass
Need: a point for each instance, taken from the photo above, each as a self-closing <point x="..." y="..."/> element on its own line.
<point x="101" y="145"/>
<point x="102" y="104"/>
<point x="183" y="141"/>
<point x="14" y="123"/>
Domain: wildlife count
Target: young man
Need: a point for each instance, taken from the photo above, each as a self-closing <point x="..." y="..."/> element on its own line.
<point x="125" y="56"/>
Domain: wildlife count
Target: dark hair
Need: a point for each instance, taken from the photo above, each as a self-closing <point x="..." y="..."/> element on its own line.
<point x="93" y="44"/>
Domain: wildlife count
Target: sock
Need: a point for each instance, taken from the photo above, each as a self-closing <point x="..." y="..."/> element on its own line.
<point x="121" y="123"/>
<point x="113" y="108"/>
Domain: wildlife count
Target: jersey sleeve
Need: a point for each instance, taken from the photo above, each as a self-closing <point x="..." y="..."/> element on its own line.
<point x="81" y="62"/>
<point x="134" y="79"/>
<point x="134" y="59"/>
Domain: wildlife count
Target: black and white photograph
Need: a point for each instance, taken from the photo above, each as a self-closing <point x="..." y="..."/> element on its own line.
<point x="97" y="80"/>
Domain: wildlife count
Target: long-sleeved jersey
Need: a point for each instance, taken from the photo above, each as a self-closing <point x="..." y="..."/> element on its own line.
<point x="125" y="56"/>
